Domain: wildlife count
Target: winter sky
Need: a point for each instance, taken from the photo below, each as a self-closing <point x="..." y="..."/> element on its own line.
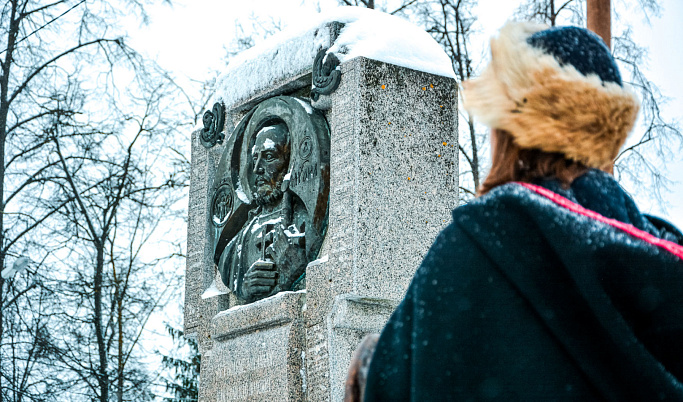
<point x="189" y="39"/>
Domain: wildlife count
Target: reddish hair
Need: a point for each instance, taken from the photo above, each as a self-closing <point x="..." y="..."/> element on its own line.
<point x="512" y="163"/>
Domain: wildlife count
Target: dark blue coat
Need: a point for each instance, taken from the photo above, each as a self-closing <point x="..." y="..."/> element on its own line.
<point x="520" y="298"/>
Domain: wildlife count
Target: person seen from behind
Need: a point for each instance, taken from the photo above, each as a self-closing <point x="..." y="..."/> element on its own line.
<point x="551" y="284"/>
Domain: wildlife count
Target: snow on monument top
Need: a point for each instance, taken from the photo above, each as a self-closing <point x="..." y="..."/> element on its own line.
<point x="367" y="33"/>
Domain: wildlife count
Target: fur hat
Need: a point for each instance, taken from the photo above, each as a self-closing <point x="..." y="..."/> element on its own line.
<point x="557" y="90"/>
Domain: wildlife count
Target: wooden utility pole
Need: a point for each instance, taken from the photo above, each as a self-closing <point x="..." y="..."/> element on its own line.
<point x="600" y="19"/>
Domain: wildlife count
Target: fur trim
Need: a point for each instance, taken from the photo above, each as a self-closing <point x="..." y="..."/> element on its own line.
<point x="550" y="107"/>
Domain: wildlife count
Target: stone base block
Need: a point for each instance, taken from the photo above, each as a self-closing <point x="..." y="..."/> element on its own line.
<point x="352" y="318"/>
<point x="258" y="352"/>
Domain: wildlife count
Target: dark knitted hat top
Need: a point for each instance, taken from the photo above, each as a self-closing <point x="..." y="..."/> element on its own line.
<point x="579" y="48"/>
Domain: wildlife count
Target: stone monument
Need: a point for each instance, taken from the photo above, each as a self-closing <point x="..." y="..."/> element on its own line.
<point x="320" y="178"/>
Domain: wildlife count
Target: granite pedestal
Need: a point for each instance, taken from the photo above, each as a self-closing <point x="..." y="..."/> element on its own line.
<point x="393" y="184"/>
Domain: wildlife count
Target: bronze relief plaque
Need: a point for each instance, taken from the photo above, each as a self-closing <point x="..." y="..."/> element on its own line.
<point x="270" y="206"/>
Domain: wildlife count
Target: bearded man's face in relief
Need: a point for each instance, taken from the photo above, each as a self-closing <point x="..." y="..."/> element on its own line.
<point x="270" y="156"/>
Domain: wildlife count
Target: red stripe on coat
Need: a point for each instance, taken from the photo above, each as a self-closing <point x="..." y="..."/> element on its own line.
<point x="671" y="247"/>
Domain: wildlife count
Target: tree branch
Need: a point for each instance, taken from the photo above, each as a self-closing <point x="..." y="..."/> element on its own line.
<point x="404" y="6"/>
<point x="52" y="60"/>
<point x="33" y="226"/>
<point x="24" y="14"/>
<point x="18" y="295"/>
<point x="76" y="194"/>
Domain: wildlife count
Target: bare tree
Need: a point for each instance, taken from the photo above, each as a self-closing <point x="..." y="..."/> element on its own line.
<point x="27" y="338"/>
<point x="72" y="173"/>
<point x="116" y="201"/>
<point x="548" y="11"/>
<point x="31" y="85"/>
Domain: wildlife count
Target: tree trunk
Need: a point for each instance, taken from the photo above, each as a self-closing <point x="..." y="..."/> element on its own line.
<point x="119" y="307"/>
<point x="4" y="110"/>
<point x="102" y="378"/>
<point x="475" y="154"/>
<point x="598" y="13"/>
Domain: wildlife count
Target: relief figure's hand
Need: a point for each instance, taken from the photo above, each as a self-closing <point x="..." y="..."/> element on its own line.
<point x="259" y="280"/>
<point x="287" y="248"/>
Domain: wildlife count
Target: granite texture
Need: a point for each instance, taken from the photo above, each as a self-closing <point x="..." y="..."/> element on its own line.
<point x="394" y="180"/>
<point x="200" y="271"/>
<point x="258" y="352"/>
<point x="352" y="318"/>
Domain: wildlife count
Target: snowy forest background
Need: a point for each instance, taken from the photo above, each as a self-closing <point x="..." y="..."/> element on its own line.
<point x="97" y="102"/>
